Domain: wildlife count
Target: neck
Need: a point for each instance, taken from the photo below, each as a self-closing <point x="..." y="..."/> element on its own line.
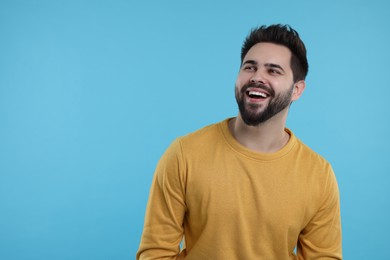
<point x="267" y="137"/>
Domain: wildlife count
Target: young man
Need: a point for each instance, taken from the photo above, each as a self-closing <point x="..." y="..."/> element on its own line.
<point x="247" y="187"/>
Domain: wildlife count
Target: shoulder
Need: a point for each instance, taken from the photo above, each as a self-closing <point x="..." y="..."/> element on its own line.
<point x="319" y="176"/>
<point x="310" y="156"/>
<point x="188" y="148"/>
<point x="317" y="168"/>
<point x="194" y="141"/>
<point x="205" y="135"/>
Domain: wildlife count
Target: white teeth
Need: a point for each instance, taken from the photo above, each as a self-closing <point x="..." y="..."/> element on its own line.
<point x="255" y="93"/>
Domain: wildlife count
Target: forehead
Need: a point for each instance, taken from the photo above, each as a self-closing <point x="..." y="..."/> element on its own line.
<point x="266" y="52"/>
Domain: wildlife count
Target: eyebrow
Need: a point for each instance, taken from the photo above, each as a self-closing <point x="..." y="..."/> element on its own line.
<point x="252" y="62"/>
<point x="270" y="65"/>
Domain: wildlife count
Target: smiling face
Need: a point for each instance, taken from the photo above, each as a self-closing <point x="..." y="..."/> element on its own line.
<point x="264" y="85"/>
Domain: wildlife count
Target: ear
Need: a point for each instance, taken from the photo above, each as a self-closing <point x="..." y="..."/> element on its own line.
<point x="298" y="89"/>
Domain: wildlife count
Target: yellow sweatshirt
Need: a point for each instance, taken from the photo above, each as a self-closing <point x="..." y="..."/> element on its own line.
<point x="233" y="203"/>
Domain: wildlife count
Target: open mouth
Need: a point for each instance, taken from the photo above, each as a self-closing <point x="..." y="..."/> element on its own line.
<point x="257" y="94"/>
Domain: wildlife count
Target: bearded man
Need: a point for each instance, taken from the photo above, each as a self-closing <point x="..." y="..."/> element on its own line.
<point x="247" y="187"/>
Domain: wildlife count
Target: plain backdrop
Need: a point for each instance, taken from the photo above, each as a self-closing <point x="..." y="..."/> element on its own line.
<point x="93" y="92"/>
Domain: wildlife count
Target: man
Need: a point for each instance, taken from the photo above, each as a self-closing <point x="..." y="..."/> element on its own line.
<point x="247" y="188"/>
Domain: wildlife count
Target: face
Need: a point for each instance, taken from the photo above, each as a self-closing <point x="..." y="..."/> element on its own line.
<point x="264" y="85"/>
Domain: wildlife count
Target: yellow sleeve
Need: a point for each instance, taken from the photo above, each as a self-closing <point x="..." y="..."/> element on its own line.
<point x="321" y="238"/>
<point x="163" y="227"/>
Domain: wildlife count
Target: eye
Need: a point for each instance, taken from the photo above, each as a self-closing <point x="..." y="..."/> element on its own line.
<point x="274" y="72"/>
<point x="250" y="68"/>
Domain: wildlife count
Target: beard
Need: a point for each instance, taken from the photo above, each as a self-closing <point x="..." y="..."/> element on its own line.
<point x="250" y="113"/>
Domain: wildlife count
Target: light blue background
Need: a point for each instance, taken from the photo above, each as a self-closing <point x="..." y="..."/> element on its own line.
<point x="93" y="92"/>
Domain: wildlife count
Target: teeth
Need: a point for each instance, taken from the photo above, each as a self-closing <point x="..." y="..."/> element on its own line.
<point x="255" y="93"/>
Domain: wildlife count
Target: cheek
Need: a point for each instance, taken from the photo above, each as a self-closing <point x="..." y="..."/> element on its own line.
<point x="240" y="82"/>
<point x="237" y="85"/>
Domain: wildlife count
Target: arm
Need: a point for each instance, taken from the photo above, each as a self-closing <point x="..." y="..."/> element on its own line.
<point x="163" y="228"/>
<point x="321" y="238"/>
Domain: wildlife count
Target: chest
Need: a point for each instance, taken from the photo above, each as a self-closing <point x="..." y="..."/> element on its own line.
<point x="273" y="196"/>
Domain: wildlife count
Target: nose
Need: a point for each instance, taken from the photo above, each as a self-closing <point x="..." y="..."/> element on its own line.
<point x="258" y="77"/>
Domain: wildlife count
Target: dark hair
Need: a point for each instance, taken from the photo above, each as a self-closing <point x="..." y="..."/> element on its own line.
<point x="283" y="35"/>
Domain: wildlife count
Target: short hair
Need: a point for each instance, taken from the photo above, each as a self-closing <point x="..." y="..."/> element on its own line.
<point x="282" y="35"/>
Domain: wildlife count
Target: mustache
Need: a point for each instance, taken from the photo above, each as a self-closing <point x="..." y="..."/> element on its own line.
<point x="259" y="86"/>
